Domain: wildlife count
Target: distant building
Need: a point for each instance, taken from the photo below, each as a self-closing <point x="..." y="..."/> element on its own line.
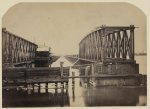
<point x="43" y="57"/>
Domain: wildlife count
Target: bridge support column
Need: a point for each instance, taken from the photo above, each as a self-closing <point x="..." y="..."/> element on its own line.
<point x="29" y="90"/>
<point x="66" y="86"/>
<point x="61" y="68"/>
<point x="73" y="81"/>
<point x="32" y="87"/>
<point x="62" y="87"/>
<point x="39" y="87"/>
<point x="46" y="87"/>
<point x="56" y="87"/>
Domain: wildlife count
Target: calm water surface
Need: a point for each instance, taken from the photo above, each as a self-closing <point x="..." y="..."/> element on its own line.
<point x="75" y="96"/>
<point x="142" y="61"/>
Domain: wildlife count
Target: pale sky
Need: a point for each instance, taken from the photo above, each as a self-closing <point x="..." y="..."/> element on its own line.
<point x="62" y="25"/>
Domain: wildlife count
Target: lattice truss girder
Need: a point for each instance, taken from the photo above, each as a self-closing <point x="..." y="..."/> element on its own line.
<point x="91" y="46"/>
<point x="16" y="49"/>
<point x="118" y="45"/>
<point x="108" y="42"/>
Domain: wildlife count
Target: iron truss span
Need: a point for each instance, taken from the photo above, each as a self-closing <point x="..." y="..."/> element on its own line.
<point x="16" y="50"/>
<point x="108" y="42"/>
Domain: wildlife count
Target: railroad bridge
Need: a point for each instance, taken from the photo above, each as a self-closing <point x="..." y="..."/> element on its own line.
<point x="106" y="57"/>
<point x="16" y="50"/>
<point x="19" y="58"/>
<point x="108" y="42"/>
<point x="108" y="53"/>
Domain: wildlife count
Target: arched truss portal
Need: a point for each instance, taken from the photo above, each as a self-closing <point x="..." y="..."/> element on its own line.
<point x="108" y="42"/>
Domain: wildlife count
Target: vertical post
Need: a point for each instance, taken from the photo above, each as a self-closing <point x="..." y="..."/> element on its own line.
<point x="97" y="47"/>
<point x="73" y="82"/>
<point x="39" y="87"/>
<point x="33" y="87"/>
<point x="62" y="86"/>
<point x="103" y="43"/>
<point x="10" y="49"/>
<point x="113" y="43"/>
<point x="29" y="90"/>
<point x="123" y="45"/>
<point x="26" y="85"/>
<point x="91" y="46"/>
<point x="56" y="87"/>
<point x="132" y="39"/>
<point x="66" y="86"/>
<point x="79" y="50"/>
<point x="46" y="87"/>
<point x="61" y="68"/>
<point x="88" y="46"/>
<point x="92" y="69"/>
<point x="84" y="48"/>
<point x="118" y="45"/>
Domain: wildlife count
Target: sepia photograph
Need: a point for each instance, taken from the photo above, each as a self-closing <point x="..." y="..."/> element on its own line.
<point x="74" y="54"/>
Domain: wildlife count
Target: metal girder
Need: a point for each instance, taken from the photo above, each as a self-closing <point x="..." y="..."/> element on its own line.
<point x="108" y="42"/>
<point x="16" y="49"/>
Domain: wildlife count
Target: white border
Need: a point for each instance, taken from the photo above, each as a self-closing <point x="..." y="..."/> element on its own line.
<point x="141" y="4"/>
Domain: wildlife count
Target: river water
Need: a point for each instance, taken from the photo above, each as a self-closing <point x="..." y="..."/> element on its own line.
<point x="142" y="61"/>
<point x="77" y="95"/>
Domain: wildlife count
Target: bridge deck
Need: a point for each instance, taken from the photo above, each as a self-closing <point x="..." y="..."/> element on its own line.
<point x="19" y="76"/>
<point x="102" y="76"/>
<point x="35" y="81"/>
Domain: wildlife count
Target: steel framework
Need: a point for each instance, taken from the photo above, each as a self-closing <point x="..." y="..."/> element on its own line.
<point x="108" y="42"/>
<point x="16" y="49"/>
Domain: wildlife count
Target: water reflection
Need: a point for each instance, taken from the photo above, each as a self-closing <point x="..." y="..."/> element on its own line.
<point x="30" y="98"/>
<point x="110" y="96"/>
<point x="75" y="96"/>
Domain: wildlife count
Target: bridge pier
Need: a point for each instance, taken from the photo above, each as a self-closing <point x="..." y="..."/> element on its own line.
<point x="46" y="87"/>
<point x="56" y="87"/>
<point x="67" y="86"/>
<point x="32" y="87"/>
<point x="112" y="49"/>
<point x="39" y="88"/>
<point x="62" y="85"/>
<point x="73" y="80"/>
